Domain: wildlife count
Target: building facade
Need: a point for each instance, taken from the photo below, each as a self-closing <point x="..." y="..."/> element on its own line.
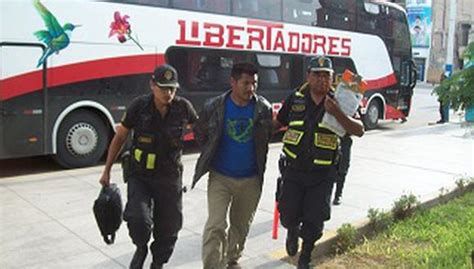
<point x="430" y="52"/>
<point x="464" y="33"/>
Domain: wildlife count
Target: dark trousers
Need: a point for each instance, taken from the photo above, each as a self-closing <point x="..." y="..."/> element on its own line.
<point x="344" y="163"/>
<point x="443" y="112"/>
<point x="305" y="202"/>
<point x="154" y="205"/>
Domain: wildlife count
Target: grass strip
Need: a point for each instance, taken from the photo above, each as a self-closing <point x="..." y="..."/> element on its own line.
<point x="442" y="237"/>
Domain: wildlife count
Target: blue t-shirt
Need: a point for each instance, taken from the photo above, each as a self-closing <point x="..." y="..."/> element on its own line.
<point x="235" y="156"/>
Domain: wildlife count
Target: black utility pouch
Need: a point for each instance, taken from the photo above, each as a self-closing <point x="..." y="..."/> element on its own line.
<point x="126" y="159"/>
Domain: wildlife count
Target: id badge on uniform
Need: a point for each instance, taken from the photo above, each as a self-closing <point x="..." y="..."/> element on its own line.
<point x="326" y="141"/>
<point x="292" y="136"/>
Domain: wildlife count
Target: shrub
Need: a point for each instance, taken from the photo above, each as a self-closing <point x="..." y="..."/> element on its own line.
<point x="346" y="238"/>
<point x="379" y="220"/>
<point x="404" y="207"/>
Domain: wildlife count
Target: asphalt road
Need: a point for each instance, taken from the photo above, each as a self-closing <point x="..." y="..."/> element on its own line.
<point x="424" y="110"/>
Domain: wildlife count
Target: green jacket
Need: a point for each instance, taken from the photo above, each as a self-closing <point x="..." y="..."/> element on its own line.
<point x="208" y="132"/>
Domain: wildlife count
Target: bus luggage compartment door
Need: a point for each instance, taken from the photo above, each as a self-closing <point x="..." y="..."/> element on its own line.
<point x="22" y="101"/>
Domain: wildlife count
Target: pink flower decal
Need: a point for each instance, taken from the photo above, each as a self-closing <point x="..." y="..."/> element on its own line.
<point x="122" y="28"/>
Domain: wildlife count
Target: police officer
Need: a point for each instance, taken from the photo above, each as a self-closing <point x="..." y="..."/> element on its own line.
<point x="311" y="151"/>
<point x="158" y="121"/>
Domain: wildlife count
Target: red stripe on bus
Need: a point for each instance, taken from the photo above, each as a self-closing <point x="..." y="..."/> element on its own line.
<point x="381" y="83"/>
<point x="71" y="73"/>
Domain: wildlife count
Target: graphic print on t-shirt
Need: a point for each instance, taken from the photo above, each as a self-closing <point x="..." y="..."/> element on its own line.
<point x="240" y="130"/>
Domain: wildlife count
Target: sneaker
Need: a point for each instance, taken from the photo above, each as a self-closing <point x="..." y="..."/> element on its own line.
<point x="337" y="200"/>
<point x="292" y="242"/>
<point x="233" y="265"/>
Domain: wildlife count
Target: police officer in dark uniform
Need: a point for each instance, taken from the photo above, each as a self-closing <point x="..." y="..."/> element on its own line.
<point x="311" y="150"/>
<point x="158" y="121"/>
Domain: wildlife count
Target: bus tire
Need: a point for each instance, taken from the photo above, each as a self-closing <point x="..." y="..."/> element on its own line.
<point x="82" y="139"/>
<point x="372" y="115"/>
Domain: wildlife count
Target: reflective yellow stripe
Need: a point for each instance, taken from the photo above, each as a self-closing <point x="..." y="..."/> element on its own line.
<point x="322" y="162"/>
<point x="296" y="123"/>
<point x="289" y="153"/>
<point x="150" y="161"/>
<point x="324" y="126"/>
<point x="138" y="154"/>
<point x="299" y="94"/>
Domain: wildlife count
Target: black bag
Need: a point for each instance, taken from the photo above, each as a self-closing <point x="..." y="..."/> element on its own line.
<point x="108" y="212"/>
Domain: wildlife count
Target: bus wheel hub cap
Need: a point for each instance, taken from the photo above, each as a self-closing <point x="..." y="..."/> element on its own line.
<point x="373" y="114"/>
<point x="81" y="139"/>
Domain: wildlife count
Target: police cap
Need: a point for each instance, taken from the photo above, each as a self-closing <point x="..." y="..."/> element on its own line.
<point x="320" y="63"/>
<point x="166" y="76"/>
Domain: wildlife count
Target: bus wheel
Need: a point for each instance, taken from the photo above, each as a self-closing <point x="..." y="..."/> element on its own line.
<point x="82" y="140"/>
<point x="371" y="117"/>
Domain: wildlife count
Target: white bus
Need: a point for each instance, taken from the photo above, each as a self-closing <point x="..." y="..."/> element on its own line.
<point x="70" y="68"/>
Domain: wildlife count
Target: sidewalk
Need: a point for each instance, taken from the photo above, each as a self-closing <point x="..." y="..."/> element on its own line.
<point x="46" y="220"/>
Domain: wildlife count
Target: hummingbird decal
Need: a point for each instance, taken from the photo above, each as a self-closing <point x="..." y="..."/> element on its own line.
<point x="56" y="37"/>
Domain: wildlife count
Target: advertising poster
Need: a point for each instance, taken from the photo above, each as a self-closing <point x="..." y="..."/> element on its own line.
<point x="419" y="21"/>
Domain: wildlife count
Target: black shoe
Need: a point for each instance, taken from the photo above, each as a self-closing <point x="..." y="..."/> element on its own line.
<point x="233" y="265"/>
<point x="440" y="122"/>
<point x="139" y="258"/>
<point x="337" y="200"/>
<point x="303" y="263"/>
<point x="156" y="265"/>
<point x="292" y="241"/>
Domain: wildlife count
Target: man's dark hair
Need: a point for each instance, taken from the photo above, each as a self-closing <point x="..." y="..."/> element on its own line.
<point x="243" y="68"/>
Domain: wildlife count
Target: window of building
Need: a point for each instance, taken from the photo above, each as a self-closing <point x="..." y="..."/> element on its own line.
<point x="465" y="28"/>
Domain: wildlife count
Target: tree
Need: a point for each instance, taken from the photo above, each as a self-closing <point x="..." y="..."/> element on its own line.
<point x="458" y="89"/>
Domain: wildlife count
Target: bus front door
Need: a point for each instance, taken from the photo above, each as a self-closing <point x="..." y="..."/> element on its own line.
<point x="23" y="101"/>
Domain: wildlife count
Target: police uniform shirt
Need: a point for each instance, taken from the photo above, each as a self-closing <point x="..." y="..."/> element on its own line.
<point x="143" y="115"/>
<point x="313" y="115"/>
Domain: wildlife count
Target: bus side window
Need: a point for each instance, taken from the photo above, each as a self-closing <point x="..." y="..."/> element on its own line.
<point x="267" y="77"/>
<point x="212" y="6"/>
<point x="341" y="64"/>
<point x="300" y="11"/>
<point x="368" y="18"/>
<point x="337" y="14"/>
<point x="155" y="3"/>
<point x="262" y="9"/>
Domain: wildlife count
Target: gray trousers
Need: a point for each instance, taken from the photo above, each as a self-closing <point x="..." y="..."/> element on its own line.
<point x="237" y="198"/>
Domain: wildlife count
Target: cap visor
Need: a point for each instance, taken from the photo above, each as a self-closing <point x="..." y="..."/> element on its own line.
<point x="172" y="85"/>
<point x="320" y="69"/>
